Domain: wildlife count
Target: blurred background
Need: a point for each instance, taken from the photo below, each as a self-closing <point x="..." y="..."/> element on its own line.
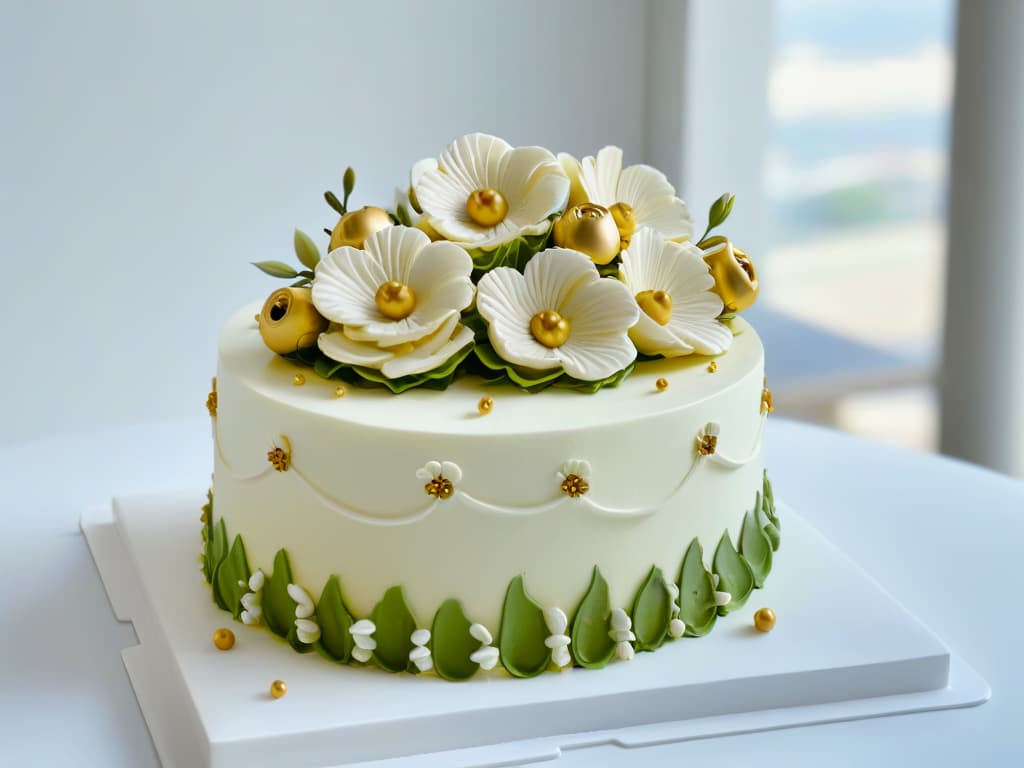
<point x="149" y="151"/>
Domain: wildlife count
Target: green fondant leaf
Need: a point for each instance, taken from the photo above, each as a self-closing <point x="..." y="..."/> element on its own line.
<point x="395" y="625"/>
<point x="306" y="251"/>
<point x="769" y="502"/>
<point x="233" y="569"/>
<point x="334" y="619"/>
<point x="512" y="254"/>
<point x="772" y="532"/>
<point x="755" y="546"/>
<point x="278" y="606"/>
<point x="218" y="550"/>
<point x="439" y="378"/>
<point x="592" y="645"/>
<point x="451" y="643"/>
<point x="207" y="535"/>
<point x="276" y="269"/>
<point x="734" y="575"/>
<point x="652" y="611"/>
<point x="696" y="593"/>
<point x="535" y="381"/>
<point x="522" y="633"/>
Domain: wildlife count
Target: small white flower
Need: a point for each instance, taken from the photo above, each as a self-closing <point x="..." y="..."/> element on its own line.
<point x="306" y="628"/>
<point x="721" y="598"/>
<point x="557" y="623"/>
<point x="621" y="632"/>
<point x="420" y="653"/>
<point x="579" y="467"/>
<point x="446" y="469"/>
<point x="672" y="285"/>
<point x="486" y="655"/>
<point x="531" y="181"/>
<point x="252" y="601"/>
<point x="559" y="313"/>
<point x="676" y="627"/>
<point x="398" y="302"/>
<point x="602" y="180"/>
<point x="362" y="633"/>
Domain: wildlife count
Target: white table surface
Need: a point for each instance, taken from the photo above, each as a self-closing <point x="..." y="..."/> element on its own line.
<point x="943" y="537"/>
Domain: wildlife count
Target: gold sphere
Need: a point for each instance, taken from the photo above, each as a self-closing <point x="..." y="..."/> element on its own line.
<point x="661" y="384"/>
<point x="485" y="406"/>
<point x="712" y="366"/>
<point x="224" y="639"/>
<point x="764" y="620"/>
<point x="625" y="222"/>
<point x="278" y="688"/>
<point x="550" y="328"/>
<point x="340" y="391"/>
<point x="590" y="229"/>
<point x="289" y="320"/>
<point x="486" y="207"/>
<point x="734" y="273"/>
<point x="395" y="300"/>
<point x="298" y="380"/>
<point x="355" y="226"/>
<point x="657" y="305"/>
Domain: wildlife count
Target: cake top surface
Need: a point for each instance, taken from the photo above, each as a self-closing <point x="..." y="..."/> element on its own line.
<point x="456" y="410"/>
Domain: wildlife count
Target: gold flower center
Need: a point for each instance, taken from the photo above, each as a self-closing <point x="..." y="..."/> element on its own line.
<point x="625" y="221"/>
<point x="395" y="300"/>
<point x="657" y="305"/>
<point x="550" y="328"/>
<point x="486" y="207"/>
<point x="575" y="486"/>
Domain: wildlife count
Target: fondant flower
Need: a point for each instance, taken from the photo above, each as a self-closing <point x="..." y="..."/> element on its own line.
<point x="397" y="301"/>
<point x="559" y="314"/>
<point x="441" y="477"/>
<point x="557" y="623"/>
<point x="486" y="655"/>
<point x="575" y="477"/>
<point x="406" y="197"/>
<point x="676" y="627"/>
<point x="252" y="601"/>
<point x="484" y="192"/>
<point x="644" y="197"/>
<point x="673" y="286"/>
<point x="622" y="633"/>
<point x="306" y="627"/>
<point x="362" y="635"/>
<point x="420" y="653"/>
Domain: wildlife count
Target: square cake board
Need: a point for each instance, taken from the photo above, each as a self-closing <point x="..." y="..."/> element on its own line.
<point x="843" y="649"/>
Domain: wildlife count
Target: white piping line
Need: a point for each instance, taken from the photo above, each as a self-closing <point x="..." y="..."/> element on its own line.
<point x="359" y="515"/>
<point x="725" y="461"/>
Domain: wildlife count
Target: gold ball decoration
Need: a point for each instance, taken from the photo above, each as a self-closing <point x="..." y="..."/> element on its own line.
<point x="764" y="620"/>
<point x="712" y="366"/>
<point x="278" y="688"/>
<point x="486" y="207"/>
<point x="355" y="226"/>
<point x="625" y="221"/>
<point x="289" y="321"/>
<point x="590" y="229"/>
<point x="734" y="273"/>
<point x="485" y="406"/>
<point x="340" y="391"/>
<point x="656" y="304"/>
<point x="550" y="328"/>
<point x="298" y="380"/>
<point x="224" y="639"/>
<point x="395" y="300"/>
<point x="661" y="384"/>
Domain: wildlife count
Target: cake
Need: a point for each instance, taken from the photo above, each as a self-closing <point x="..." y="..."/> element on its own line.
<point x="511" y="425"/>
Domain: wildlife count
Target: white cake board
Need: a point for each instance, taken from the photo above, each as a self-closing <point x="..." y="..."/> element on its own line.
<point x="843" y="649"/>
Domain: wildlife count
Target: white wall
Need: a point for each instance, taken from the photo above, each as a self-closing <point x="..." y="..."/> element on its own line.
<point x="149" y="151"/>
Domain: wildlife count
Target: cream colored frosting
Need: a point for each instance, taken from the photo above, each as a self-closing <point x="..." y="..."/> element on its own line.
<point x="353" y="503"/>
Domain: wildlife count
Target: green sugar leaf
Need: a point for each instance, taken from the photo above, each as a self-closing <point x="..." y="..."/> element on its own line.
<point x="395" y="625"/>
<point x="768" y="507"/>
<point x="232" y="570"/>
<point x="734" y="575"/>
<point x="348" y="183"/>
<point x="522" y="633"/>
<point x="592" y="645"/>
<point x="755" y="546"/>
<point x="514" y="253"/>
<point x="451" y="643"/>
<point x="278" y="606"/>
<point x="402" y="216"/>
<point x="276" y="269"/>
<point x="334" y="202"/>
<point x="306" y="251"/>
<point x="696" y="592"/>
<point x="217" y="550"/>
<point x="652" y="611"/>
<point x="772" y="532"/>
<point x="334" y="619"/>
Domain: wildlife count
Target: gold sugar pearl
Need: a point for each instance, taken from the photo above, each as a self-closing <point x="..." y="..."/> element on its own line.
<point x="256" y="317"/>
<point x="224" y="639"/>
<point x="712" y="366"/>
<point x="299" y="380"/>
<point x="278" y="688"/>
<point x="485" y="406"/>
<point x="340" y="391"/>
<point x="661" y="384"/>
<point x="764" y="620"/>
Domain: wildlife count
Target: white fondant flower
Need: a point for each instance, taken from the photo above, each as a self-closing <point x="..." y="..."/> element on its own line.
<point x="676" y="627"/>
<point x="561" y="299"/>
<point x="397" y="300"/>
<point x="362" y="634"/>
<point x="420" y="653"/>
<point x="530" y="179"/>
<point x="622" y="633"/>
<point x="557" y="623"/>
<point x="486" y="655"/>
<point x="306" y="628"/>
<point x="252" y="601"/>
<point x="602" y="180"/>
<point x="672" y="284"/>
<point x="721" y="598"/>
<point x="406" y="197"/>
<point x="434" y="469"/>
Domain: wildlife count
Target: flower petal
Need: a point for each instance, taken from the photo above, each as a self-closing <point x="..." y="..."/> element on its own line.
<point x="481" y="633"/>
<point x="535" y="186"/>
<point x="346" y="284"/>
<point x="451" y="470"/>
<point x="504" y="301"/>
<point x="573" y="169"/>
<point x="440" y="278"/>
<point x="600" y="307"/>
<point x="596" y="357"/>
<point x="426" y="358"/>
<point x="339" y="347"/>
<point x="651" y="338"/>
<point x="600" y="176"/>
<point x="556" y="620"/>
